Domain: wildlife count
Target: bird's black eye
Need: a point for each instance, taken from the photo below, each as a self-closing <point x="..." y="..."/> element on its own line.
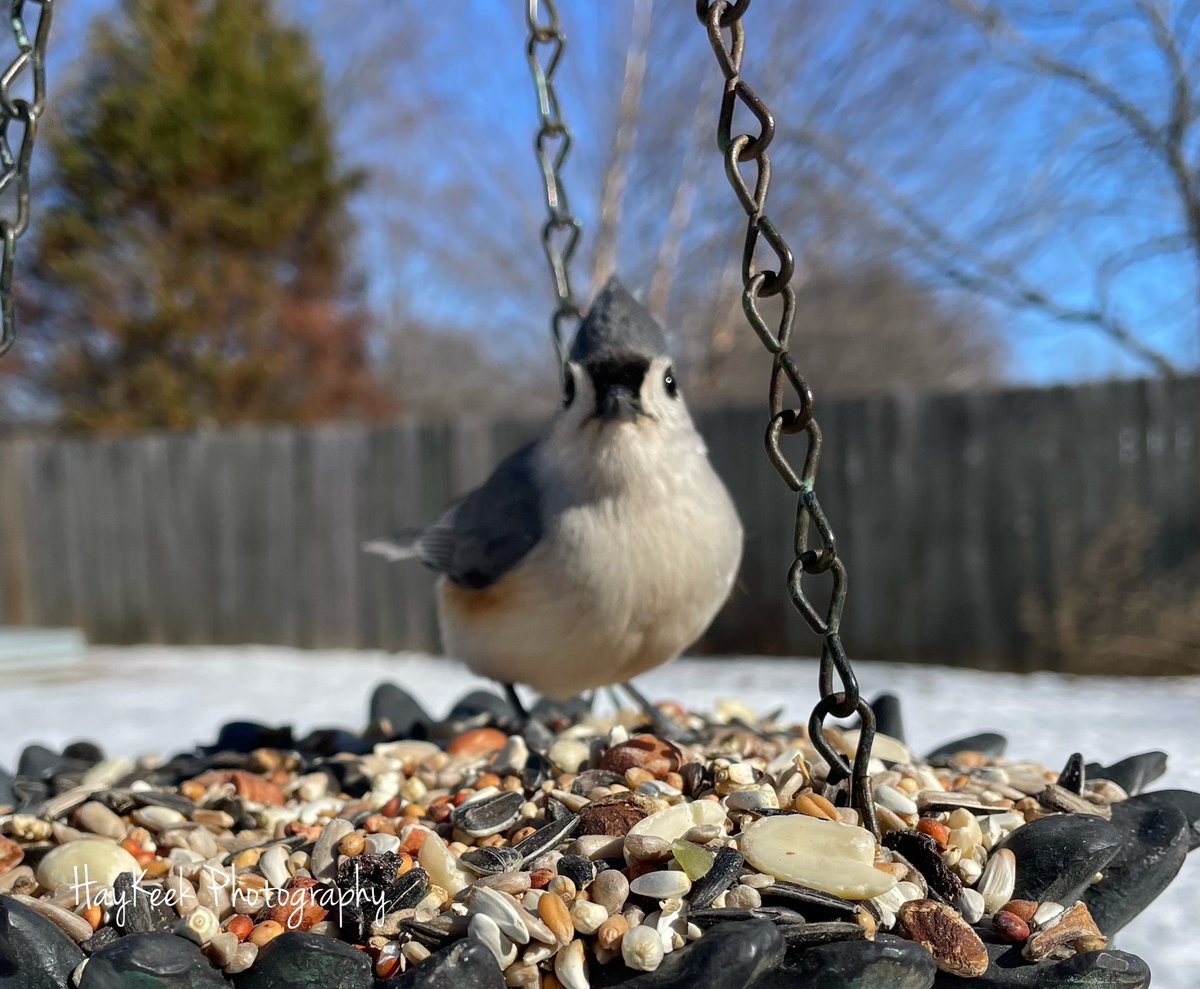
<point x="670" y="384"/>
<point x="568" y="389"/>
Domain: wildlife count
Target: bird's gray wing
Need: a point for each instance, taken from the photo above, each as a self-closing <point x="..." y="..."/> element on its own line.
<point x="487" y="533"/>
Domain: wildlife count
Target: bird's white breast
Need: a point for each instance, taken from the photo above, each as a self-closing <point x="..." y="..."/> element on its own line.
<point x="622" y="581"/>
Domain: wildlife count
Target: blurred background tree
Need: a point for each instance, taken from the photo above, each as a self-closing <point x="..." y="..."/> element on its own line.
<point x="195" y="244"/>
<point x="1049" y="167"/>
<point x="977" y="193"/>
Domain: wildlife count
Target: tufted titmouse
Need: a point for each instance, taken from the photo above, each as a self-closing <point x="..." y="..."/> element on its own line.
<point x="603" y="549"/>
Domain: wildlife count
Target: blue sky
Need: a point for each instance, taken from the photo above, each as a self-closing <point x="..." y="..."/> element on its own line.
<point x="480" y="140"/>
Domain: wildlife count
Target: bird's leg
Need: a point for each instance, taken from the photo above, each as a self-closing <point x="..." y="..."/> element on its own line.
<point x="614" y="697"/>
<point x="642" y="701"/>
<point x="663" y="725"/>
<point x="515" y="700"/>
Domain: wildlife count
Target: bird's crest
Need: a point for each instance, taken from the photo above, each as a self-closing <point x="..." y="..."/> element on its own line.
<point x="617" y="326"/>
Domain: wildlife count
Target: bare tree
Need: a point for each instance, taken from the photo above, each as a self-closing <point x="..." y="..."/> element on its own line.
<point x="1163" y="126"/>
<point x="1101" y="99"/>
<point x="615" y="183"/>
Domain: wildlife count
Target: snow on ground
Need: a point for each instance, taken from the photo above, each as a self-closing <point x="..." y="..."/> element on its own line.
<point x="156" y="699"/>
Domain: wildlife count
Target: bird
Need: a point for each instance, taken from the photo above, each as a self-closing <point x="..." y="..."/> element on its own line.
<point x="604" y="548"/>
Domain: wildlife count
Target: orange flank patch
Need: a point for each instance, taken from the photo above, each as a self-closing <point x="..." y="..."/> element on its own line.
<point x="466" y="604"/>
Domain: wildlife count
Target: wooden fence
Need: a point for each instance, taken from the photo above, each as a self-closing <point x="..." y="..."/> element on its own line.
<point x="948" y="509"/>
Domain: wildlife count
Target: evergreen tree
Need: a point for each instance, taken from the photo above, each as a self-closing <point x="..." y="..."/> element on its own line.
<point x="193" y="256"/>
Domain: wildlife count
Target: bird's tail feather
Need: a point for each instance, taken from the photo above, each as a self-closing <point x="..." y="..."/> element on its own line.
<point x="403" y="547"/>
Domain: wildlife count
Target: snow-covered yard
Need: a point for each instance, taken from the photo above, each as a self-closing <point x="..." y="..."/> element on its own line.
<point x="155" y="699"/>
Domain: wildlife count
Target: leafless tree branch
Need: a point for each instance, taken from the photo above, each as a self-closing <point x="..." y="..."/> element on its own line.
<point x="963" y="265"/>
<point x="616" y="173"/>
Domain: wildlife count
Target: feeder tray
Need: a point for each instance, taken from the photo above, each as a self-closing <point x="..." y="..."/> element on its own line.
<point x="424" y="854"/>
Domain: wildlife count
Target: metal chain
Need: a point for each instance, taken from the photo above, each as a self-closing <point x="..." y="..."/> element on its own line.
<point x="14" y="169"/>
<point x="560" y="233"/>
<point x="741" y="152"/>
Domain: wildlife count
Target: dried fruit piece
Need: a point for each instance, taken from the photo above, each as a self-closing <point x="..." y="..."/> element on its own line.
<point x="934" y="829"/>
<point x="1025" y="909"/>
<point x="246" y="785"/>
<point x="477" y="742"/>
<point x="93" y="914"/>
<point x="926" y="857"/>
<point x="1010" y="927"/>
<point x="11" y="855"/>
<point x="240" y="927"/>
<point x="437" y="860"/>
<point x="265" y="933"/>
<point x="646" y="752"/>
<point x="298" y="909"/>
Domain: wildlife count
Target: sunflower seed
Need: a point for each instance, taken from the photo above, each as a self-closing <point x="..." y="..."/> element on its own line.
<point x="589" y="779"/>
<point x="490" y="861"/>
<point x="934" y="801"/>
<point x="547" y="836"/>
<point x="802" y="936"/>
<point x="64" y="803"/>
<point x="713" y="916"/>
<point x="515" y="883"/>
<point x="823" y="905"/>
<point x="491" y="815"/>
<point x="433" y="934"/>
<point x="726" y="867"/>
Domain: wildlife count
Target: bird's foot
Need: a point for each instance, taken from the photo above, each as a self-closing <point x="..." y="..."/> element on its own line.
<point x="554" y="714"/>
<point x="661" y="723"/>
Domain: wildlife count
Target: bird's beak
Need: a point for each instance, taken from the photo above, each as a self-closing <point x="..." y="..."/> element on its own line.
<point x="618" y="403"/>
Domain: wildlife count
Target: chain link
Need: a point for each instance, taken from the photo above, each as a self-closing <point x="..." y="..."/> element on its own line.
<point x="560" y="233"/>
<point x="790" y="402"/>
<point x="28" y="69"/>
